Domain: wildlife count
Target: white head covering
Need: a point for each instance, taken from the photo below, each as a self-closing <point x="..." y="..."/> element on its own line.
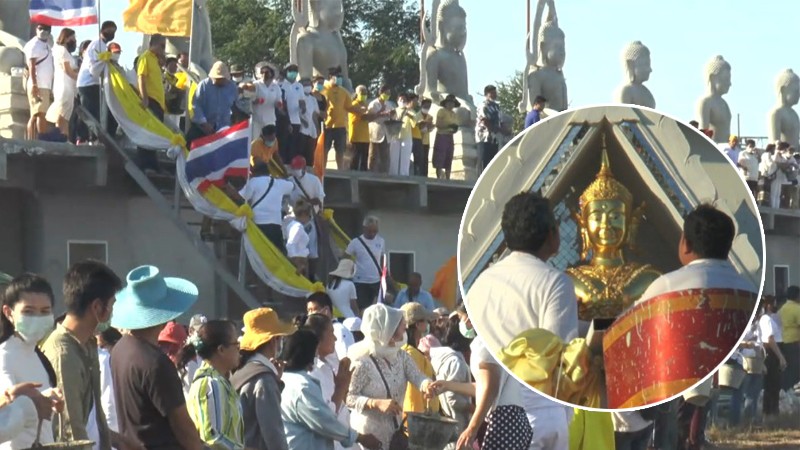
<point x="378" y="324"/>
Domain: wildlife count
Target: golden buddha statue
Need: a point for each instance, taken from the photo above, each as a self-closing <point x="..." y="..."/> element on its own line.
<point x="607" y="285"/>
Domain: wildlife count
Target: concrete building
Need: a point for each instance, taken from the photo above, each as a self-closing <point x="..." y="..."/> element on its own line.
<point x="782" y="232"/>
<point x="61" y="203"/>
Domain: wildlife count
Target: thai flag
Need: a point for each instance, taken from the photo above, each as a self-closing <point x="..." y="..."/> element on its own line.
<point x="62" y="13"/>
<point x="225" y="153"/>
<point x="384" y="272"/>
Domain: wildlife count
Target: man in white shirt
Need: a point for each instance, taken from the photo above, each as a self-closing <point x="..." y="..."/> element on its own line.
<point x="321" y="303"/>
<point x="748" y="165"/>
<point x="265" y="196"/>
<point x="297" y="242"/>
<point x="522" y="291"/>
<point x="380" y="110"/>
<point x="295" y="107"/>
<point x="367" y="250"/>
<point x="307" y="188"/>
<point x="267" y="96"/>
<point x="732" y="149"/>
<point x="308" y="121"/>
<point x="90" y="73"/>
<point x="41" y="70"/>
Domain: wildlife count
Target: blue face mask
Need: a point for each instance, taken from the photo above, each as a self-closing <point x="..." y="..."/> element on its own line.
<point x="468" y="333"/>
<point x="291" y="76"/>
<point x="339" y="81"/>
<point x="269" y="143"/>
<point x="320" y="86"/>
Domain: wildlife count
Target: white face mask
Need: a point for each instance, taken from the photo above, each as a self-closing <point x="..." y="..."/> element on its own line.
<point x="401" y="103"/>
<point x="425" y="110"/>
<point x="238" y="79"/>
<point x="115" y="57"/>
<point x="33" y="329"/>
<point x="43" y="35"/>
<point x="307" y="89"/>
<point x="297" y="173"/>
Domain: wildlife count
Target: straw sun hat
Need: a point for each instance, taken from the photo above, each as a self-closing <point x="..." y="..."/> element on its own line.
<point x="260" y="326"/>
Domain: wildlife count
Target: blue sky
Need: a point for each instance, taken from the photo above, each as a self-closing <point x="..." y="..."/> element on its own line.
<point x="757" y="38"/>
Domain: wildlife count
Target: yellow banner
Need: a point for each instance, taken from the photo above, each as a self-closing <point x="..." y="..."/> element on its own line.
<point x="167" y="17"/>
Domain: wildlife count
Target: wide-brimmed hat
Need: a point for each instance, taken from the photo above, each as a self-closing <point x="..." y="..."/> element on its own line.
<point x="415" y="312"/>
<point x="236" y="68"/>
<point x="219" y="70"/>
<point x="450" y="98"/>
<point x="346" y="269"/>
<point x="150" y="299"/>
<point x="173" y="333"/>
<point x="261" y="325"/>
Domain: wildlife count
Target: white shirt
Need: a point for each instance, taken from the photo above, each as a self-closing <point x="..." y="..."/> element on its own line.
<point x="268" y="210"/>
<point x="700" y="273"/>
<point x="19" y="364"/>
<point x="311" y="107"/>
<point x="366" y="270"/>
<point x="294" y="93"/>
<point x="325" y="370"/>
<point x="629" y="422"/>
<point x="311" y="185"/>
<point x="63" y="83"/>
<point x="377" y="130"/>
<point x="732" y="153"/>
<point x="518" y="293"/>
<point x="38" y="50"/>
<point x="296" y="240"/>
<point x="89" y="75"/>
<point x="510" y="389"/>
<point x="769" y="326"/>
<point x="341" y="296"/>
<point x="264" y="103"/>
<point x="15" y="418"/>
<point x="106" y="399"/>
<point x="344" y="339"/>
<point x="749" y="160"/>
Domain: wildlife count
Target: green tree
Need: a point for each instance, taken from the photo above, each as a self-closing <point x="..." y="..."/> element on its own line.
<point x="509" y="95"/>
<point x="381" y="37"/>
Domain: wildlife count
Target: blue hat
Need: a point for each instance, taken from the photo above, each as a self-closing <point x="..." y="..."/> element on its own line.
<point x="151" y="299"/>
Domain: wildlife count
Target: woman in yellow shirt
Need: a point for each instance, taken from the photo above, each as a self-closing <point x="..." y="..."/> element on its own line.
<point x="443" y="147"/>
<point x="418" y="319"/>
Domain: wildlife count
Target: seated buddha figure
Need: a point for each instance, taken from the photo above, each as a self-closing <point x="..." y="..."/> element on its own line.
<point x="605" y="284"/>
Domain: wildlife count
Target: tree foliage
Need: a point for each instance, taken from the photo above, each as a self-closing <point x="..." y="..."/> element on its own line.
<point x="381" y="37"/>
<point x="509" y="95"/>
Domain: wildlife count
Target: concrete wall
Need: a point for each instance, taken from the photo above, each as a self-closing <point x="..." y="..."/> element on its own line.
<point x="136" y="232"/>
<point x="433" y="238"/>
<point x="782" y="250"/>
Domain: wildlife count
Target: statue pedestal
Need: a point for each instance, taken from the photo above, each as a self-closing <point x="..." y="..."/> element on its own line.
<point x="14" y="109"/>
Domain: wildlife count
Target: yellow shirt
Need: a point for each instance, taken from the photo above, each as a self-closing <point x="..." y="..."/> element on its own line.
<point x="790" y="320"/>
<point x="359" y="128"/>
<point x="422" y="135"/>
<point x="444" y="119"/>
<point x="591" y="430"/>
<point x="409" y="123"/>
<point x="260" y="152"/>
<point x="150" y="68"/>
<point x="415" y="401"/>
<point x="338" y="105"/>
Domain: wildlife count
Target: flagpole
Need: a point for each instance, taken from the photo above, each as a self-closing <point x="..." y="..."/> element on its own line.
<point x="103" y="106"/>
<point x="187" y="124"/>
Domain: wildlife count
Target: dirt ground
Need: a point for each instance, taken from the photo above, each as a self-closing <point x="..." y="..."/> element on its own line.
<point x="784" y="435"/>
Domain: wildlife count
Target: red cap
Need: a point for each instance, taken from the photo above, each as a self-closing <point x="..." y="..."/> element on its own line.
<point x="298" y="163"/>
<point x="173" y="333"/>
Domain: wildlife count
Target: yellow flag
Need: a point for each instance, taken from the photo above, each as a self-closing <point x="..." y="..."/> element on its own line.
<point x="167" y="17"/>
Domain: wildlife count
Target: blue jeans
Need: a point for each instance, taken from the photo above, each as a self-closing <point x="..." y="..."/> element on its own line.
<point x="751" y="387"/>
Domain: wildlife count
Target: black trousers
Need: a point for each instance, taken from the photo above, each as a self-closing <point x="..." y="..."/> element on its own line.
<point x="367" y="294"/>
<point x="792" y="373"/>
<point x="148" y="159"/>
<point x="772" y="383"/>
<point x="90" y="99"/>
<point x="488" y="152"/>
<point x="337" y="137"/>
<point x="296" y="145"/>
<point x="420" y="153"/>
<point x="360" y="156"/>
<point x="283" y="131"/>
<point x="274" y="233"/>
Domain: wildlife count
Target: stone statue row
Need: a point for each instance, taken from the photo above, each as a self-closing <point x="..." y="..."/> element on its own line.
<point x="545" y="52"/>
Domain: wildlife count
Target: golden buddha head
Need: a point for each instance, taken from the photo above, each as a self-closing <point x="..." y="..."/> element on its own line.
<point x="606" y="211"/>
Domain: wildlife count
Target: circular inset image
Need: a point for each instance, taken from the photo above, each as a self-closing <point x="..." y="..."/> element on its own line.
<point x="611" y="257"/>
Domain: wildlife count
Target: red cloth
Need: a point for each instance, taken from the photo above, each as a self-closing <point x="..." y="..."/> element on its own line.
<point x="173" y="333"/>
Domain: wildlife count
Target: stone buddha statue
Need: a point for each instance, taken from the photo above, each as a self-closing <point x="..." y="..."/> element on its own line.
<point x="546" y="52"/>
<point x="605" y="284"/>
<point x="784" y="124"/>
<point x="316" y="43"/>
<point x="636" y="61"/>
<point x="443" y="65"/>
<point x="712" y="110"/>
<point x="15" y="31"/>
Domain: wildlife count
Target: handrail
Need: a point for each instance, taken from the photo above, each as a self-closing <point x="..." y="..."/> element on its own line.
<point x="150" y="189"/>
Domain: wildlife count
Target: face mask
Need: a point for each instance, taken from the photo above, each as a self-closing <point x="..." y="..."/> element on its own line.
<point x="33" y="328"/>
<point x="238" y="79"/>
<point x="269" y="143"/>
<point x="425" y="110"/>
<point x="108" y="36"/>
<point x="103" y="326"/>
<point x="297" y="173"/>
<point x="339" y="81"/>
<point x="72" y="46"/>
<point x="401" y="103"/>
<point x="466" y="332"/>
<point x="115" y="57"/>
<point x="427" y="328"/>
<point x="42" y="34"/>
<point x="307" y="89"/>
<point x="384" y="97"/>
<point x="291" y="76"/>
<point x="362" y="97"/>
<point x="403" y="341"/>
